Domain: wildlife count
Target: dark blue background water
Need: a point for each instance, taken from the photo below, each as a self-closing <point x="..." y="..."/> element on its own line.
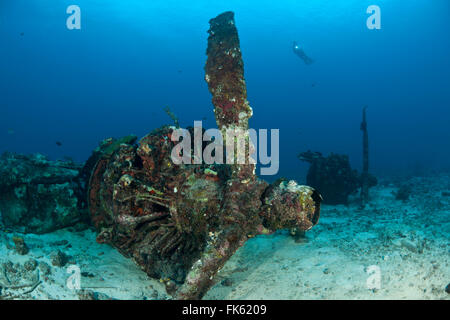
<point x="133" y="58"/>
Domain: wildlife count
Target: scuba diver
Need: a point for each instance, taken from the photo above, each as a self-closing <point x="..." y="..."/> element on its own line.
<point x="300" y="53"/>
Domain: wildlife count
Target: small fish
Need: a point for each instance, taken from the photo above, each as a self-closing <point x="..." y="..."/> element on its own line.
<point x="11" y="132"/>
<point x="58" y="143"/>
<point x="22" y="34"/>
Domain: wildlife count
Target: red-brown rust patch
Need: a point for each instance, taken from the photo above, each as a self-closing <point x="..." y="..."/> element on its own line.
<point x="94" y="203"/>
<point x="212" y="178"/>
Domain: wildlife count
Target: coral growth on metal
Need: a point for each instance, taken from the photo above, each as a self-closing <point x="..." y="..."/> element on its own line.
<point x="181" y="223"/>
<point x="224" y="73"/>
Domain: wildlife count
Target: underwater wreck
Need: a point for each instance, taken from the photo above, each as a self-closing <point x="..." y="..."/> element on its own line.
<point x="335" y="178"/>
<point x="181" y="223"/>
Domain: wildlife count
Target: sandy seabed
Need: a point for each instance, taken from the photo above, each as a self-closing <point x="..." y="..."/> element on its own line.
<point x="390" y="250"/>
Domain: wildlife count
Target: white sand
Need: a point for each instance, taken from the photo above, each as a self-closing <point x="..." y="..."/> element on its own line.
<point x="113" y="275"/>
<point x="408" y="242"/>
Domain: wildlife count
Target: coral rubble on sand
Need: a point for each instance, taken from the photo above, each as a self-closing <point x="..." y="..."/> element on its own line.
<point x="407" y="241"/>
<point x="53" y="258"/>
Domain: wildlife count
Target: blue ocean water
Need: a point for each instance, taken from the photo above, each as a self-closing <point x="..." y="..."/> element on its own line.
<point x="133" y="58"/>
<point x="63" y="91"/>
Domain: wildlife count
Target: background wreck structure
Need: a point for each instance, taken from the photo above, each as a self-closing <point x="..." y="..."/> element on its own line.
<point x="181" y="223"/>
<point x="334" y="176"/>
<point x="365" y="178"/>
<point x="39" y="195"/>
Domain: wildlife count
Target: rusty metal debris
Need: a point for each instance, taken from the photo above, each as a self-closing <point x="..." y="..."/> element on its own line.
<point x="181" y="223"/>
